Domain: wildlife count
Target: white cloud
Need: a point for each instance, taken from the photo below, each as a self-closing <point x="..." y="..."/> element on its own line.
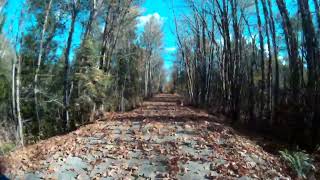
<point x="142" y="20"/>
<point x="170" y="49"/>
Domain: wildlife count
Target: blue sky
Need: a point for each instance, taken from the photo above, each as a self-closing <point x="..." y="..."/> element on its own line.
<point x="12" y="12"/>
<point x="162" y="10"/>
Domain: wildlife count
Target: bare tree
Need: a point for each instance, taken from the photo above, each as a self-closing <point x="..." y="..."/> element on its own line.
<point x="92" y="17"/>
<point x="275" y="54"/>
<point x="151" y="40"/>
<point x="36" y="76"/>
<point x="316" y="4"/>
<point x="66" y="83"/>
<point x="269" y="79"/>
<point x="262" y="82"/>
<point x="312" y="57"/>
<point x="292" y="47"/>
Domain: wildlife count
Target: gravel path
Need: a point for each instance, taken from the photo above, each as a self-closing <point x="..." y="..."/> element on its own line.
<point x="159" y="140"/>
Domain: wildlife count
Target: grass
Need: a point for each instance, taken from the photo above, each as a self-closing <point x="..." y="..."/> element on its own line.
<point x="6" y="148"/>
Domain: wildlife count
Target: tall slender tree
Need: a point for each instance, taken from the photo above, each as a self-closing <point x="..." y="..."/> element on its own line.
<point x="262" y="68"/>
<point x="312" y="57"/>
<point x="292" y="48"/>
<point x="39" y="60"/>
<point x="276" y="59"/>
<point x="66" y="82"/>
<point x="269" y="79"/>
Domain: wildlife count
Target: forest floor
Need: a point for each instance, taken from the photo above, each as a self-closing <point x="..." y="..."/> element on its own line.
<point x="159" y="140"/>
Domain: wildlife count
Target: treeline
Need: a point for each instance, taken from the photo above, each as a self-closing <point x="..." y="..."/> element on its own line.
<point x="70" y="61"/>
<point x="257" y="61"/>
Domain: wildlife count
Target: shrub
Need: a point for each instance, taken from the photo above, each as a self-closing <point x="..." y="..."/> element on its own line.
<point x="6" y="147"/>
<point x="299" y="161"/>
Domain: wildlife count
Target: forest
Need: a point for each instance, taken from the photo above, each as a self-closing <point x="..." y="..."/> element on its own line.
<point x="244" y="74"/>
<point x="255" y="61"/>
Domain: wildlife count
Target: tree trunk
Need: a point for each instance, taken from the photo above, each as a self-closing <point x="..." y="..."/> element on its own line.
<point x="36" y="76"/>
<point x="236" y="61"/>
<point x="146" y="79"/>
<point x="66" y="83"/>
<point x="269" y="82"/>
<point x="262" y="84"/>
<point x="312" y="57"/>
<point x="204" y="64"/>
<point x="13" y="91"/>
<point x="227" y="50"/>
<point x="275" y="52"/>
<point x="104" y="40"/>
<point x="92" y="17"/>
<point x="316" y="4"/>
<point x="292" y="47"/>
<point x="18" y="110"/>
<point x="311" y="44"/>
<point x="252" y="121"/>
<point x="296" y="123"/>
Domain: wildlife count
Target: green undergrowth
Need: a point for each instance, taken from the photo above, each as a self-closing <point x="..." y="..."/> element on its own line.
<point x="300" y="162"/>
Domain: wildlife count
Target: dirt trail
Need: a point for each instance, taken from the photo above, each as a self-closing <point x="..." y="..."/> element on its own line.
<point x="160" y="140"/>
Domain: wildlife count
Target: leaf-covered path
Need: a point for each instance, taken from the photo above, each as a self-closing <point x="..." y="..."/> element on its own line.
<point x="160" y="140"/>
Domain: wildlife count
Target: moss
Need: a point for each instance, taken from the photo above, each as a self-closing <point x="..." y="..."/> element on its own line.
<point x="6" y="148"/>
